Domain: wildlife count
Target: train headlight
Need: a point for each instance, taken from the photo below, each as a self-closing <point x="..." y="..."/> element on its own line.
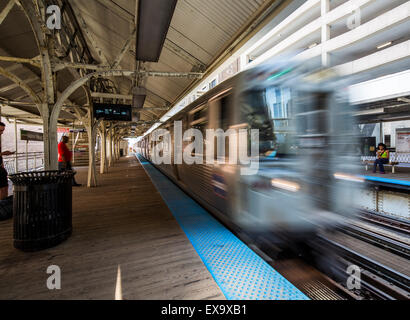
<point x="285" y="184"/>
<point x="348" y="177"/>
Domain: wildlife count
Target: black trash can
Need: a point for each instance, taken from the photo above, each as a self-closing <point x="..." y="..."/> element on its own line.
<point x="42" y="208"/>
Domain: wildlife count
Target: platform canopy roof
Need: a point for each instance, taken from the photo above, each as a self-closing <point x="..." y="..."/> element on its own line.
<point x="99" y="30"/>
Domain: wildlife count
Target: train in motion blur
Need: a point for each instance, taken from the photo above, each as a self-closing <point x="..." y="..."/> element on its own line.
<point x="307" y="156"/>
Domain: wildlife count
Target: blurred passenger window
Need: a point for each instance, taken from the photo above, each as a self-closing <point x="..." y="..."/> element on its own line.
<point x="311" y="113"/>
<point x="222" y="121"/>
<point x="224" y="113"/>
<point x="199" y="120"/>
<point x="270" y="111"/>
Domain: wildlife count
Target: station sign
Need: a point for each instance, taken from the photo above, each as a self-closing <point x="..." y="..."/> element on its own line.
<point x="112" y="112"/>
<point x="63" y="130"/>
<point x="31" y="135"/>
<point x="77" y="130"/>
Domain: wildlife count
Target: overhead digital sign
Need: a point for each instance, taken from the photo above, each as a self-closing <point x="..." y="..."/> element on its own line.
<point x="112" y="112"/>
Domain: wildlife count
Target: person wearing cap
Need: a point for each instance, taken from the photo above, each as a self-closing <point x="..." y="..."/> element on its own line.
<point x="64" y="158"/>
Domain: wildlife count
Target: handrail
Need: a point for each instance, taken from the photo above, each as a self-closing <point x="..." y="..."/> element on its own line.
<point x="22" y="161"/>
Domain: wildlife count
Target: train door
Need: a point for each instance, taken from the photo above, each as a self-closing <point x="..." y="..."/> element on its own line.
<point x="313" y="119"/>
<point x="222" y="174"/>
<point x="197" y="176"/>
<point x="174" y="166"/>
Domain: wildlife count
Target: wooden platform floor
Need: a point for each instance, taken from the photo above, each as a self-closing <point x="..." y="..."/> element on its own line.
<point x="124" y="224"/>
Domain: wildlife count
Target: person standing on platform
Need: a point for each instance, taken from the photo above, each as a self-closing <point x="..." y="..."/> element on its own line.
<point x="64" y="158"/>
<point x="4" y="183"/>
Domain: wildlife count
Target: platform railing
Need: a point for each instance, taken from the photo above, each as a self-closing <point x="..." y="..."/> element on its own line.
<point x="23" y="162"/>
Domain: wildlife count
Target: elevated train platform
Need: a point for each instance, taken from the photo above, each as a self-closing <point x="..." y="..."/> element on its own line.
<point x="121" y="225"/>
<point x="137" y="236"/>
<point x="390" y="180"/>
<point x="311" y="87"/>
<point x="386" y="194"/>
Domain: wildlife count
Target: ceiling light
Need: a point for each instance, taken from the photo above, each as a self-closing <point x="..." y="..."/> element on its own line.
<point x="313" y="45"/>
<point x="402" y="99"/>
<point x="348" y="177"/>
<point x="285" y="184"/>
<point x="384" y="45"/>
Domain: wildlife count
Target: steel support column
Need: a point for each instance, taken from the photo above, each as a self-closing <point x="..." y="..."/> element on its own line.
<point x="16" y="145"/>
<point x="103" y="155"/>
<point x="110" y="136"/>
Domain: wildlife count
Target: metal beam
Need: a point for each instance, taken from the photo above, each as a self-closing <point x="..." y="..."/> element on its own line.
<point x="15" y="85"/>
<point x="6" y="10"/>
<point x="124" y="49"/>
<point x="119" y="11"/>
<point x="183" y="54"/>
<point x="156" y="108"/>
<point x="189" y="75"/>
<point x="14" y="67"/>
<point x="17" y="103"/>
<point x="158" y="96"/>
<point x="80" y="82"/>
<point x="25" y="69"/>
<point x="59" y="65"/>
<point x="111" y="96"/>
<point x="88" y="34"/>
<point x="33" y="62"/>
<point x="80" y="36"/>
<point x="35" y="98"/>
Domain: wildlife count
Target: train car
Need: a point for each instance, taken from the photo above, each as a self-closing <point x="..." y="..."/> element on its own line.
<point x="306" y="160"/>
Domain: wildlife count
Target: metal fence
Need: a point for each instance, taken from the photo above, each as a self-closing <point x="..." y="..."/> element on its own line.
<point x="23" y="162"/>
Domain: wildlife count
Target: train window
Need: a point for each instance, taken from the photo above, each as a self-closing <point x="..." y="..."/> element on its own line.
<point x="222" y="121"/>
<point x="200" y="115"/>
<point x="224" y="113"/>
<point x="199" y="120"/>
<point x="270" y="111"/>
<point x="312" y="113"/>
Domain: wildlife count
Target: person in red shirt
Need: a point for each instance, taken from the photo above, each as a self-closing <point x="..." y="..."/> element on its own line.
<point x="64" y="158"/>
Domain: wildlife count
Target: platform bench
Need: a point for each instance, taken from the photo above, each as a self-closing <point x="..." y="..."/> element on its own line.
<point x="396" y="159"/>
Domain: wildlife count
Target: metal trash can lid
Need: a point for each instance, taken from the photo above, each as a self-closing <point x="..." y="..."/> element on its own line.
<point x="41" y="177"/>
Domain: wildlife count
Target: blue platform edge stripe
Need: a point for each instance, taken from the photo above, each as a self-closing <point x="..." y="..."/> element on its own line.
<point x="386" y="180"/>
<point x="238" y="271"/>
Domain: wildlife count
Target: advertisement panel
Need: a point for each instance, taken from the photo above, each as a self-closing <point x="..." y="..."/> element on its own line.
<point x="403" y="140"/>
<point x="31" y="135"/>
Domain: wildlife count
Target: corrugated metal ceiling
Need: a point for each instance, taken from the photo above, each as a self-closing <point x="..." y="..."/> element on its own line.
<point x="199" y="30"/>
